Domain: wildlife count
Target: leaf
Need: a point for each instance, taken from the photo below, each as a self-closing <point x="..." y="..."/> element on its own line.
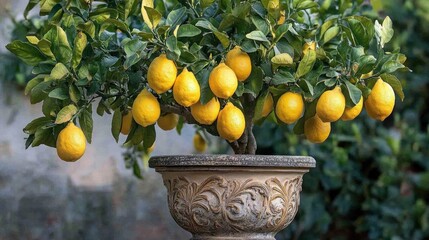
<point x="298" y="129"/>
<point x="281" y="31"/>
<point x="188" y="30"/>
<point x="59" y="44"/>
<point x="129" y="6"/>
<point x="330" y="34"/>
<point x="176" y="17"/>
<point x="43" y="136"/>
<point x="26" y="52"/>
<point x="45" y="47"/>
<point x="30" y="5"/>
<point x="32" y="39"/>
<point x="362" y="29"/>
<point x="66" y="114"/>
<point x="136" y="170"/>
<point x="39" y="92"/>
<point x="253" y="84"/>
<point x="146" y="3"/>
<point x="59" y="71"/>
<point x="353" y="92"/>
<point x="154" y="16"/>
<point x="32" y="83"/>
<point x="283" y="59"/>
<point x="223" y="38"/>
<point x="282" y="77"/>
<point x="59" y="93"/>
<point x="86" y="123"/>
<point x="391" y="66"/>
<point x="257" y="36"/>
<point x="366" y="64"/>
<point x="80" y="43"/>
<point x="116" y="124"/>
<point x="35" y="124"/>
<point x="260" y="24"/>
<point x="149" y="136"/>
<point x="306" y="63"/>
<point x="260" y="101"/>
<point x="384" y="33"/>
<point x="394" y="83"/>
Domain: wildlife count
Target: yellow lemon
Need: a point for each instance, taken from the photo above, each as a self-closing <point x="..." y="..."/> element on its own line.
<point x="206" y="114"/>
<point x="71" y="143"/>
<point x="230" y="122"/>
<point x="168" y="121"/>
<point x="331" y="104"/>
<point x="351" y="113"/>
<point x="146" y="109"/>
<point x="315" y="130"/>
<point x="161" y="74"/>
<point x="308" y="46"/>
<point x="290" y="107"/>
<point x="186" y="90"/>
<point x="200" y="144"/>
<point x="268" y="105"/>
<point x="239" y="62"/>
<point x="127" y="120"/>
<point x="223" y="81"/>
<point x="380" y="102"/>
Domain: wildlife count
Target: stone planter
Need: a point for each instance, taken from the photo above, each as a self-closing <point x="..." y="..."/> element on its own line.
<point x="233" y="196"/>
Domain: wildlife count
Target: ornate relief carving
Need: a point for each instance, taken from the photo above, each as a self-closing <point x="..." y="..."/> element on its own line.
<point x="233" y="206"/>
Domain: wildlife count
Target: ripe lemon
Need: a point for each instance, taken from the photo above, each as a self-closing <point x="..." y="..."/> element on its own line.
<point x="146" y="109"/>
<point x="223" y="81"/>
<point x="161" y="74"/>
<point x="206" y="114"/>
<point x="380" y="101"/>
<point x="71" y="143"/>
<point x="239" y="62"/>
<point x="230" y="122"/>
<point x="331" y="105"/>
<point x="127" y="120"/>
<point x="290" y="107"/>
<point x="315" y="130"/>
<point x="168" y="121"/>
<point x="268" y="105"/>
<point x="200" y="144"/>
<point x="351" y="113"/>
<point x="308" y="46"/>
<point x="186" y="90"/>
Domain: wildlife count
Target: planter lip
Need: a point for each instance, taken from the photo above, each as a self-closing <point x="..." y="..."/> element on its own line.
<point x="224" y="160"/>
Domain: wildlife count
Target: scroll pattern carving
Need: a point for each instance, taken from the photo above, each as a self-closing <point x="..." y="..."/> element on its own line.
<point x="233" y="206"/>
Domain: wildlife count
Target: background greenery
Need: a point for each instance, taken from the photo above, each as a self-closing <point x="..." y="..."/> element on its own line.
<point x="372" y="178"/>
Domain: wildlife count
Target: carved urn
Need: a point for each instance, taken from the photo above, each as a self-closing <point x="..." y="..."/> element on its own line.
<point x="233" y="196"/>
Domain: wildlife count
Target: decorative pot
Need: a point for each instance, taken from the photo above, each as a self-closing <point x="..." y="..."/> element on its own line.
<point x="233" y="196"/>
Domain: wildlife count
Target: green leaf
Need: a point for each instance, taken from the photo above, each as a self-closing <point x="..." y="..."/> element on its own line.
<point x="298" y="129"/>
<point x="59" y="44"/>
<point x="330" y="34"/>
<point x="149" y="136"/>
<point x="306" y="63"/>
<point x="50" y="107"/>
<point x="384" y="33"/>
<point x="43" y="136"/>
<point x="260" y="101"/>
<point x="116" y="124"/>
<point x="154" y="16"/>
<point x="188" y="30"/>
<point x="26" y="52"/>
<point x="86" y="123"/>
<point x="136" y="170"/>
<point x="30" y="5"/>
<point x="283" y="59"/>
<point x="80" y="43"/>
<point x="282" y="77"/>
<point x="39" y="92"/>
<point x="32" y="39"/>
<point x="253" y="83"/>
<point x="176" y="17"/>
<point x="45" y="47"/>
<point x="74" y="93"/>
<point x="59" y="93"/>
<point x="46" y="6"/>
<point x="366" y="64"/>
<point x="32" y="83"/>
<point x="261" y="24"/>
<point x="36" y="123"/>
<point x="129" y="7"/>
<point x="59" y="72"/>
<point x="362" y="29"/>
<point x="241" y="10"/>
<point x="223" y="38"/>
<point x="66" y="114"/>
<point x="257" y="36"/>
<point x="394" y="83"/>
<point x="353" y="93"/>
<point x="391" y="66"/>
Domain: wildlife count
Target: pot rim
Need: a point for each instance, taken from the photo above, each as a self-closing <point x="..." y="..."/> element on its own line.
<point x="217" y="160"/>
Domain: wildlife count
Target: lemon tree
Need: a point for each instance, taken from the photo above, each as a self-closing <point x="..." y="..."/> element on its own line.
<point x="223" y="66"/>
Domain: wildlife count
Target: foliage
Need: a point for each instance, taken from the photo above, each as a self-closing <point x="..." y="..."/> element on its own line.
<point x="371" y="180"/>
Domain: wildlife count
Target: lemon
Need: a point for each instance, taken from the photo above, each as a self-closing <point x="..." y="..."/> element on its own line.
<point x="268" y="105"/>
<point x="186" y="90"/>
<point x="146" y="109"/>
<point x="308" y="46"/>
<point x="380" y="102"/>
<point x="351" y="113"/>
<point x="200" y="144"/>
<point x="315" y="130"/>
<point x="290" y="107"/>
<point x="71" y="143"/>
<point x="168" y="121"/>
<point x="331" y="105"/>
<point x="161" y="74"/>
<point x="223" y="81"/>
<point x="127" y="120"/>
<point x="230" y="122"/>
<point x="239" y="62"/>
<point x="206" y="113"/>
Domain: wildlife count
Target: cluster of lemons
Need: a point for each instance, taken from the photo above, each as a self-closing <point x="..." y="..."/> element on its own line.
<point x="230" y="121"/>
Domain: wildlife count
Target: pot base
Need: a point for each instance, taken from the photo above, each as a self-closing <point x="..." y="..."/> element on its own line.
<point x="248" y="236"/>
